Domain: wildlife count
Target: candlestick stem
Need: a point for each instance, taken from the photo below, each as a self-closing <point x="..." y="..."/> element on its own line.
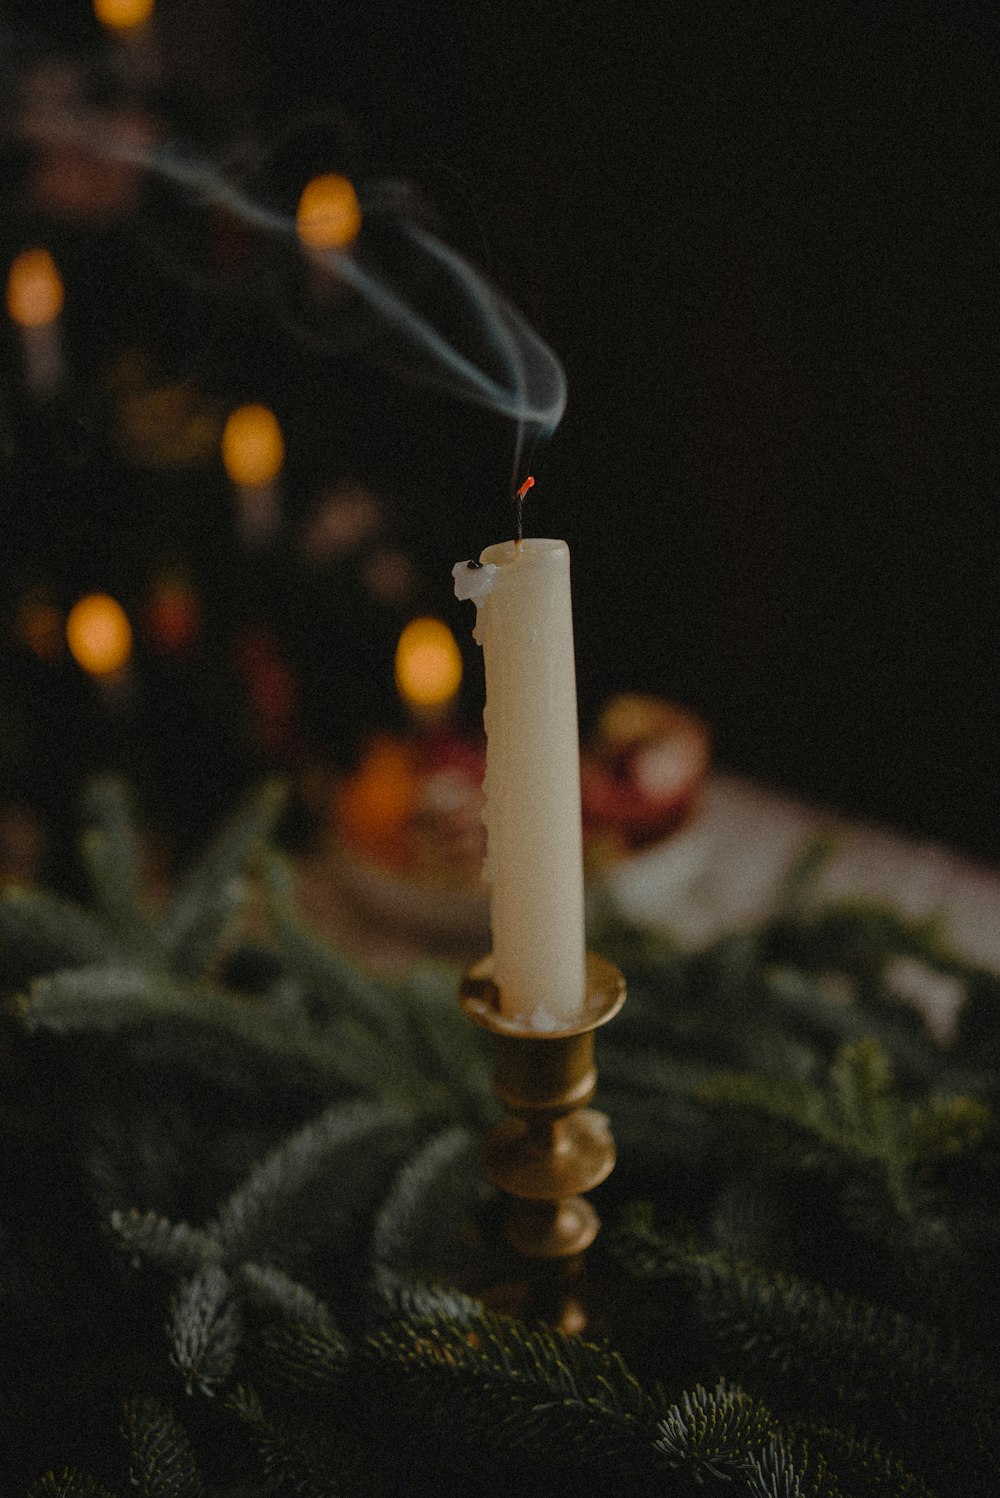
<point x="550" y="1147"/>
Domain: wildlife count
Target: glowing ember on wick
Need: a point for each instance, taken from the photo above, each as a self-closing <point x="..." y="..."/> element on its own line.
<point x="529" y="483"/>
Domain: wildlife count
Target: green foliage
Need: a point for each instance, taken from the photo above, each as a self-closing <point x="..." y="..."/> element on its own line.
<point x="162" y="1463"/>
<point x="310" y="1467"/>
<point x="822" y="1356"/>
<point x="711" y="1434"/>
<point x="217" y="1125"/>
<point x="68" y="1485"/>
<point x="863" y="1131"/>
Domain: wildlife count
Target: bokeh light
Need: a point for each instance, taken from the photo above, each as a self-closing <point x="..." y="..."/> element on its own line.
<point x="253" y="449"/>
<point x="173" y="616"/>
<point x="329" y="214"/>
<point x="34" y="289"/>
<point x="376" y="802"/>
<point x="123" y="15"/>
<point x="99" y="635"/>
<point x="428" y="664"/>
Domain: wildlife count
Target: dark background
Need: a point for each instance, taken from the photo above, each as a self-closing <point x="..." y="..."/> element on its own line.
<point x="763" y="240"/>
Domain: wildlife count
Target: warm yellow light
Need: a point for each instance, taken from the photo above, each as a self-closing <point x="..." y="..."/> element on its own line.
<point x="99" y="635"/>
<point x="253" y="449"/>
<point x="123" y="15"/>
<point x="34" y="289"/>
<point x="329" y="214"/>
<point x="428" y="664"/>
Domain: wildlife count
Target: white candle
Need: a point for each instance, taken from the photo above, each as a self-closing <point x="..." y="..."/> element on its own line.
<point x="534" y="853"/>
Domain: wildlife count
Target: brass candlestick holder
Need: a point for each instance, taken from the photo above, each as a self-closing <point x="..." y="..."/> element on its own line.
<point x="551" y="1147"/>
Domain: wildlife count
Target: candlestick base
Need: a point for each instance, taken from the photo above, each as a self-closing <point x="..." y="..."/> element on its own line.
<point x="551" y="1147"/>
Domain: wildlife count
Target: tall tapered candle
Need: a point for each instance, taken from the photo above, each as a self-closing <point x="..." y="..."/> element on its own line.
<point x="534" y="852"/>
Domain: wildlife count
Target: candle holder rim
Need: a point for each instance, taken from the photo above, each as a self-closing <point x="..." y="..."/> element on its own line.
<point x="604" y="997"/>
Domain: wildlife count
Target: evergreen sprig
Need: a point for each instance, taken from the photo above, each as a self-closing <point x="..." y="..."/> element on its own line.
<point x="712" y="1434"/>
<point x="162" y="1462"/>
<point x="496" y="1385"/>
<point x="816" y="1353"/>
<point x="288" y="1145"/>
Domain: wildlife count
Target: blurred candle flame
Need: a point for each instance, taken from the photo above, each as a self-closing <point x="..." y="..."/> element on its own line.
<point x="253" y="449"/>
<point x="329" y="214"/>
<point x="123" y="15"/>
<point x="99" y="635"/>
<point x="428" y="665"/>
<point x="34" y="289"/>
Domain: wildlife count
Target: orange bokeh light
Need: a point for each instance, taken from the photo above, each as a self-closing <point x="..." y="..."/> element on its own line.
<point x="253" y="449"/>
<point x="428" y="664"/>
<point x="329" y="214"/>
<point x="99" y="635"/>
<point x="376" y="802"/>
<point x="123" y="15"/>
<point x="34" y="289"/>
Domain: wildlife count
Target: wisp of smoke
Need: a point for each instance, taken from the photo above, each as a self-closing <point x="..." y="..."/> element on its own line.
<point x="479" y="349"/>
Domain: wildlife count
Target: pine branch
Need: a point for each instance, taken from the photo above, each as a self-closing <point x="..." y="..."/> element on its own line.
<point x="277" y="1294"/>
<point x="113" y="859"/>
<point x="863" y="1469"/>
<point x="68" y="1485"/>
<point x="712" y="1434"/>
<point x="205" y="1330"/>
<point x="402" y="1297"/>
<point x="299" y="1454"/>
<point x="43" y="932"/>
<point x="499" y="1387"/>
<point x="120" y="998"/>
<point x="306" y="1357"/>
<point x="202" y="912"/>
<point x="798" y="1002"/>
<point x="105" y="997"/>
<point x="425" y="1208"/>
<point x="825" y="1355"/>
<point x="250" y="1223"/>
<point x="773" y="1474"/>
<point x="162" y="1463"/>
<point x="446" y="1046"/>
<point x="944" y="1127"/>
<point x="173" y="1246"/>
<point x="337" y="983"/>
<point x="859" y="1119"/>
<point x="797" y="886"/>
<point x="407" y="1036"/>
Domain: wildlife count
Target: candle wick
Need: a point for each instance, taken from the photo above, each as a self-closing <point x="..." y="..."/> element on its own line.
<point x="529" y="483"/>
